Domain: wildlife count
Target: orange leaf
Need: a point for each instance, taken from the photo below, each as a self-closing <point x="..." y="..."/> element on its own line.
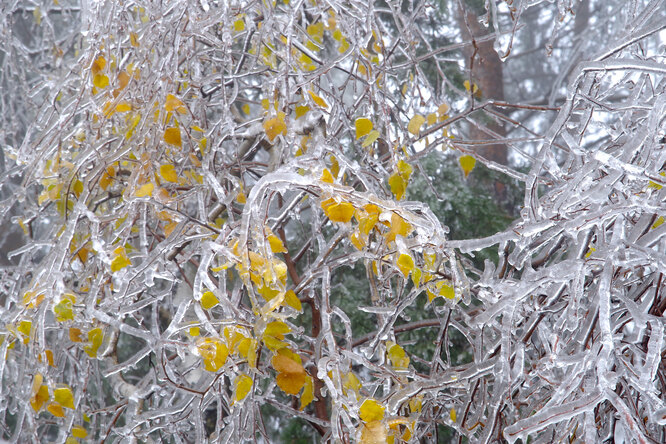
<point x="172" y="137"/>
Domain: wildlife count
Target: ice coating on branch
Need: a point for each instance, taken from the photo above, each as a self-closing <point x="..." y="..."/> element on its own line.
<point x="214" y="200"/>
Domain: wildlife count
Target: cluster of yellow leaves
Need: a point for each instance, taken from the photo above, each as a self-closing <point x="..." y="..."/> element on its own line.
<point x="62" y="397"/>
<point x="364" y="127"/>
<point x="398" y="181"/>
<point x="292" y="377"/>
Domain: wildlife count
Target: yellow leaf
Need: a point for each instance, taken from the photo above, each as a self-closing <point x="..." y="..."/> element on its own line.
<point x="172" y="137"/>
<point x="405" y="264"/>
<point x="474" y="87"/>
<point x="318" y="100"/>
<point x="25" y="327"/>
<point x="214" y="353"/>
<point x="56" y="410"/>
<point x="123" y="80"/>
<point x="243" y="385"/>
<point x="277" y="329"/>
<point x="246" y="109"/>
<point x="174" y="103"/>
<point x="63" y="310"/>
<point x="363" y="127"/>
<point x="291" y="374"/>
<point x="301" y="111"/>
<point x="79" y="432"/>
<point x="208" y="300"/>
<point x="372" y="137"/>
<point x="101" y="81"/>
<point x="145" y="190"/>
<point x="275" y="126"/>
<point x="351" y="382"/>
<point x="432" y="119"/>
<point x="98" y="65"/>
<point x="405" y="169"/>
<point x="338" y="211"/>
<point x="276" y="244"/>
<point x="308" y="393"/>
<point x="442" y="109"/>
<point x="326" y="176"/>
<point x="168" y="172"/>
<point x="371" y="411"/>
<point x="40" y="392"/>
<point x="447" y="291"/>
<point x="399" y="227"/>
<point x="659" y="221"/>
<point x="239" y="25"/>
<point x="415" y="124"/>
<point x="292" y="300"/>
<point x="75" y="334"/>
<point x="416" y="276"/>
<point x="467" y="164"/>
<point x="134" y="39"/>
<point x="123" y="107"/>
<point x="64" y="397"/>
<point x="397" y="356"/>
<point x="95" y="341"/>
<point x="49" y="357"/>
<point x="398" y="185"/>
<point x="452" y="414"/>
<point x="194" y="331"/>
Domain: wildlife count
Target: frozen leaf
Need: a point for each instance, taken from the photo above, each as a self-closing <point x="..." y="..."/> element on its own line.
<point x="318" y="100"/>
<point x="120" y="259"/>
<point x="209" y="300"/>
<point x="467" y="164"/>
<point x="276" y="244"/>
<point x="363" y="127"/>
<point x="415" y="124"/>
<point x="275" y="126"/>
<point x="242" y="387"/>
<point x="397" y="356"/>
<point x="326" y="176"/>
<point x="405" y="264"/>
<point x="292" y="300"/>
<point x="94" y="342"/>
<point x="63" y="309"/>
<point x="56" y="410"/>
<point x="338" y="211"/>
<point x="172" y="136"/>
<point x="168" y="173"/>
<point x="398" y="185"/>
<point x="301" y="110"/>
<point x="371" y="411"/>
<point x="101" y="81"/>
<point x="79" y="432"/>
<point x="399" y="227"/>
<point x="291" y="374"/>
<point x="145" y="190"/>
<point x="214" y="353"/>
<point x="64" y="397"/>
<point x="308" y="393"/>
<point x="373" y="432"/>
<point x="173" y="103"/>
<point x="370" y="139"/>
<point x="452" y="414"/>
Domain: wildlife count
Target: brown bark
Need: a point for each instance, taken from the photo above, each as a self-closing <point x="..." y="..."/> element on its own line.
<point x="486" y="72"/>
